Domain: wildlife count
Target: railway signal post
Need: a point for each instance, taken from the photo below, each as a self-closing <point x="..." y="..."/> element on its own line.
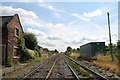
<point x="110" y="36"/>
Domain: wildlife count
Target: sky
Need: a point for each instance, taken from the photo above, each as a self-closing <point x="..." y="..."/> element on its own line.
<point x="58" y="25"/>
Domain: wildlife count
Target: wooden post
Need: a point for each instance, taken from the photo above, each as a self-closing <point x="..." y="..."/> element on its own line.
<point x="110" y="36"/>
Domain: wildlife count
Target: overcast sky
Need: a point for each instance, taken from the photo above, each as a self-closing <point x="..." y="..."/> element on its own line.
<point x="61" y="24"/>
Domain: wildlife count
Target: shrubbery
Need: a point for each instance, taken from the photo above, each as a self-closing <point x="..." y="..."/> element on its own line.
<point x="118" y="56"/>
<point x="9" y="61"/>
<point x="70" y="50"/>
<point x="28" y="48"/>
<point x="37" y="51"/>
<point x="22" y="51"/>
<point x="107" y="63"/>
<point x="30" y="41"/>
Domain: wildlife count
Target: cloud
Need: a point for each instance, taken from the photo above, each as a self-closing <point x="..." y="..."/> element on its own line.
<point x="68" y="36"/>
<point x="80" y="17"/>
<point x="92" y="14"/>
<point x="56" y="15"/>
<point x="50" y="7"/>
<point x="9" y="10"/>
<point x="22" y="1"/>
<point x="58" y="35"/>
<point x="43" y="38"/>
<point x="61" y="35"/>
<point x="46" y="6"/>
<point x="53" y="38"/>
<point x="55" y="11"/>
<point x="28" y="18"/>
<point x="73" y="22"/>
<point x="35" y="31"/>
<point x="47" y="44"/>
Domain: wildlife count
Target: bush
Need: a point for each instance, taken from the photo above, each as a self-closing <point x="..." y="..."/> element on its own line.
<point x="30" y="41"/>
<point x="9" y="61"/>
<point x="37" y="54"/>
<point x="74" y="55"/>
<point x="37" y="51"/>
<point x="118" y="53"/>
<point x="23" y="51"/>
<point x="118" y="56"/>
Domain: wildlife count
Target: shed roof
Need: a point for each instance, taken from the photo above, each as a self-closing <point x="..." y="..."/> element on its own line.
<point x="91" y="43"/>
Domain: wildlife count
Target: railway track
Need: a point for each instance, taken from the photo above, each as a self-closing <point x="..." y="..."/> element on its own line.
<point x="37" y="70"/>
<point x="74" y="73"/>
<point x="99" y="76"/>
<point x="58" y="67"/>
<point x="55" y="68"/>
<point x="62" y="71"/>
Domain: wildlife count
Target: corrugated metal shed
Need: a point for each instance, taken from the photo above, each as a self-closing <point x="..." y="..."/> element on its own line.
<point x="92" y="48"/>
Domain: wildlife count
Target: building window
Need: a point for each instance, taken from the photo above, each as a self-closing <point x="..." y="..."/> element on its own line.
<point x="15" y="52"/>
<point x="16" y="32"/>
<point x="15" y="55"/>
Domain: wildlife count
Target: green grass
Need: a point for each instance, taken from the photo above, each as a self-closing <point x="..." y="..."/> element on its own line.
<point x="100" y="71"/>
<point x="79" y="59"/>
<point x="78" y="70"/>
<point x="72" y="57"/>
<point x="31" y="62"/>
<point x="91" y="77"/>
<point x="85" y="74"/>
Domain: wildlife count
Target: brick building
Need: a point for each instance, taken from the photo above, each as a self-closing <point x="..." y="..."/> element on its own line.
<point x="11" y="30"/>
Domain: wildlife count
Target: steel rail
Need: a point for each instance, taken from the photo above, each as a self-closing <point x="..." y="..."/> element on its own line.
<point x="86" y="68"/>
<point x="74" y="73"/>
<point x="50" y="71"/>
<point x="32" y="72"/>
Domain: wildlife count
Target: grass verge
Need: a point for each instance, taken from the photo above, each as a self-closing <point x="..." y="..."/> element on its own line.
<point x="105" y="62"/>
<point x="78" y="70"/>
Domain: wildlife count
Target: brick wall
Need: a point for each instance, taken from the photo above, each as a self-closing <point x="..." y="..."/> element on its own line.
<point x="9" y="37"/>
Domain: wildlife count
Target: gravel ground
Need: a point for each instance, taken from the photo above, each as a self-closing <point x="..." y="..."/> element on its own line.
<point x="43" y="71"/>
<point x="99" y="71"/>
<point x="79" y="75"/>
<point x="61" y="70"/>
<point x="20" y="70"/>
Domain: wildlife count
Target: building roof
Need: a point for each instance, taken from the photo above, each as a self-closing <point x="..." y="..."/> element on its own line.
<point x="91" y="43"/>
<point x="7" y="19"/>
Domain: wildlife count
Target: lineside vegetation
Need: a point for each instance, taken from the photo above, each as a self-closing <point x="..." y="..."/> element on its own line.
<point x="105" y="61"/>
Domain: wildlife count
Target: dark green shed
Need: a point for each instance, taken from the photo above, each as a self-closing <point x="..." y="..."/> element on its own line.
<point x="92" y="48"/>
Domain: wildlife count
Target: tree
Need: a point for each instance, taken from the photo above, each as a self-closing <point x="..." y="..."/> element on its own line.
<point x="56" y="51"/>
<point x="118" y="56"/>
<point x="73" y="50"/>
<point x="37" y="51"/>
<point x="69" y="49"/>
<point x="114" y="47"/>
<point x="22" y="50"/>
<point x="30" y="40"/>
<point x="46" y="49"/>
<point x="118" y="46"/>
<point x="106" y="48"/>
<point x="78" y="49"/>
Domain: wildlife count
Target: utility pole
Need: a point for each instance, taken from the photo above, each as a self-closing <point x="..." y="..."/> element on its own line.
<point x="110" y="36"/>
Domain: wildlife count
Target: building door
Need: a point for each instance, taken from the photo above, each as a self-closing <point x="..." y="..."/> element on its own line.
<point x="4" y="56"/>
